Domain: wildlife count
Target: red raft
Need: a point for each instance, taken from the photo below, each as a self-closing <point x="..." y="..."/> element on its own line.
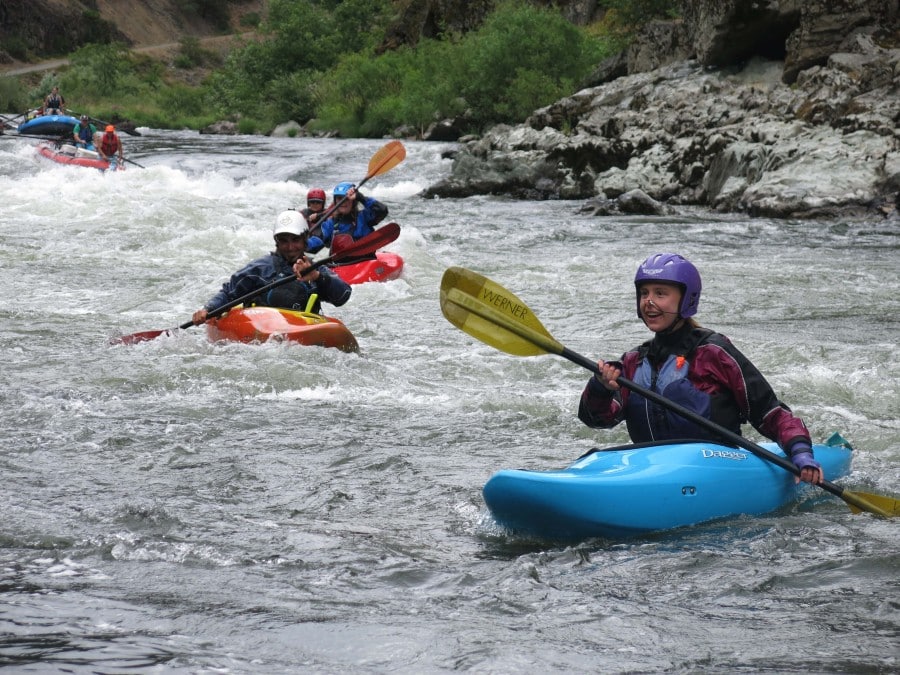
<point x="69" y="154"/>
<point x="384" y="267"/>
<point x="261" y="324"/>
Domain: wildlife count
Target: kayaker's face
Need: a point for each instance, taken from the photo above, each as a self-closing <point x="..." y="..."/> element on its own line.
<point x="290" y="246"/>
<point x="659" y="305"/>
<point x="315" y="205"/>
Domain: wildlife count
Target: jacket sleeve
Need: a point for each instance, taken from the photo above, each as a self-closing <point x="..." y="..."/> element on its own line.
<point x="373" y="212"/>
<point x="331" y="288"/>
<point x="755" y="397"/>
<point x="600" y="408"/>
<point x="246" y="280"/>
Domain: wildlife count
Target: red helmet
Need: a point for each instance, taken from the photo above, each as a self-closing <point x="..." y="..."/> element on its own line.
<point x="315" y="195"/>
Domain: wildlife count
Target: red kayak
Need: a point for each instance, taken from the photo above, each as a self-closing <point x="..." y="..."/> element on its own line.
<point x="68" y="154"/>
<point x="384" y="267"/>
<point x="260" y="324"/>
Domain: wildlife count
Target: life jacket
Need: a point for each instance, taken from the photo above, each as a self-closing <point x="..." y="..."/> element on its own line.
<point x="109" y="144"/>
<point x="54" y="101"/>
<point x="294" y="295"/>
<point x="85" y="132"/>
<point x="649" y="421"/>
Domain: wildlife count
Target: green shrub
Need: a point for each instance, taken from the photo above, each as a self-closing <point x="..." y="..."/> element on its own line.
<point x="521" y="59"/>
<point x="523" y="46"/>
<point x="250" y="20"/>
<point x="191" y="54"/>
<point x="15" y="46"/>
<point x="13" y="97"/>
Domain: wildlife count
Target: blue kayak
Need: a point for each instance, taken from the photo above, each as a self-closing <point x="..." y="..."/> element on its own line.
<point x="49" y="125"/>
<point x="637" y="489"/>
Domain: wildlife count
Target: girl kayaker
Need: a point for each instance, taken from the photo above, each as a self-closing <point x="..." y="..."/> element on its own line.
<point x="693" y="366"/>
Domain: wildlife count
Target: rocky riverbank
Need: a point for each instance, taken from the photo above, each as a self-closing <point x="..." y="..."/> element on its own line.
<point x="811" y="133"/>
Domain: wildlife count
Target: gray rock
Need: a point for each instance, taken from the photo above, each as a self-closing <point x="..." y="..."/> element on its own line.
<point x="223" y="127"/>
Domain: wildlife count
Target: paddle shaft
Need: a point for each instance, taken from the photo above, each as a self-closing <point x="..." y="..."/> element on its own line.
<point x="730" y="436"/>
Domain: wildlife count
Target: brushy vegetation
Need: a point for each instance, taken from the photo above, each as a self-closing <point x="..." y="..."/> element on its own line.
<point x="318" y="64"/>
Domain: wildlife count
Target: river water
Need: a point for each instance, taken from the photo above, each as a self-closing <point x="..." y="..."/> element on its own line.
<point x="183" y="506"/>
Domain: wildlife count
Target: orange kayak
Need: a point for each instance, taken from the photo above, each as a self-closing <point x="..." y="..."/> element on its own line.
<point x="260" y="324"/>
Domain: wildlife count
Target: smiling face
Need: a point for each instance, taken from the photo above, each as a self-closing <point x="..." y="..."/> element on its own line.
<point x="659" y="304"/>
<point x="290" y="246"/>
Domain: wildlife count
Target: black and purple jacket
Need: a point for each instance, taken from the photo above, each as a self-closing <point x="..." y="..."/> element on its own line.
<point x="703" y="371"/>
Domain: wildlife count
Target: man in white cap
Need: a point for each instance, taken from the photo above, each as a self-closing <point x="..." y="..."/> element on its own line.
<point x="291" y="233"/>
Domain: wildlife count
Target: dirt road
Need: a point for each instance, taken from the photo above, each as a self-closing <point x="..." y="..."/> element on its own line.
<point x="221" y="44"/>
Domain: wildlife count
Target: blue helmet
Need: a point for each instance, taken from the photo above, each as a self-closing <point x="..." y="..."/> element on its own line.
<point x="674" y="269"/>
<point x="341" y="189"/>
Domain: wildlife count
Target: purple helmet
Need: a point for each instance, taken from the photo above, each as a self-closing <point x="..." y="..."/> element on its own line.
<point x="674" y="269"/>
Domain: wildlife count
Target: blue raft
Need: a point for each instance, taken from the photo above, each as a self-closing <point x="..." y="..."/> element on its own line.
<point x="638" y="489"/>
<point x="49" y="125"/>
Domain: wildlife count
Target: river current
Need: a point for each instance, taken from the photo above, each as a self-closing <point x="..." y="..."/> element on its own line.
<point x="184" y="506"/>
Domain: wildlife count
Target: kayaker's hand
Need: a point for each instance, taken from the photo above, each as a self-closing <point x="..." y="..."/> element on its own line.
<point x="301" y="269"/>
<point x="810" y="470"/>
<point x="199" y="316"/>
<point x="608" y="375"/>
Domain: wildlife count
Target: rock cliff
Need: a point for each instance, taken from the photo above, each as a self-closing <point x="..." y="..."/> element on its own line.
<point x="782" y="109"/>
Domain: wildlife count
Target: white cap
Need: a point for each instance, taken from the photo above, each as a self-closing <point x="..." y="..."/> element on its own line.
<point x="291" y="222"/>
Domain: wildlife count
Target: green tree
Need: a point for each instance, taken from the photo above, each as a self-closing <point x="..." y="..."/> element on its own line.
<point x="523" y="46"/>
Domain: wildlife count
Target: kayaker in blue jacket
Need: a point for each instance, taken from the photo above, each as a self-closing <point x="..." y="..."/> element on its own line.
<point x="354" y="218"/>
<point x="291" y="233"/>
<point x="694" y="367"/>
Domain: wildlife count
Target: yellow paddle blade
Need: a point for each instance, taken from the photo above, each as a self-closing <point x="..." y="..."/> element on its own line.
<point x="386" y="159"/>
<point x="487" y="311"/>
<point x="881" y="505"/>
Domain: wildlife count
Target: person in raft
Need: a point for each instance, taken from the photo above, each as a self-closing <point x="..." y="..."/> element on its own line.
<point x="694" y="367"/>
<point x="54" y="103"/>
<point x="291" y="232"/>
<point x="355" y="218"/>
<point x="83" y="133"/>
<point x="315" y="205"/>
<point x="110" y="147"/>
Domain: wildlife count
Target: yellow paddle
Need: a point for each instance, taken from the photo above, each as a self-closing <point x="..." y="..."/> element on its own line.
<point x="487" y="311"/>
